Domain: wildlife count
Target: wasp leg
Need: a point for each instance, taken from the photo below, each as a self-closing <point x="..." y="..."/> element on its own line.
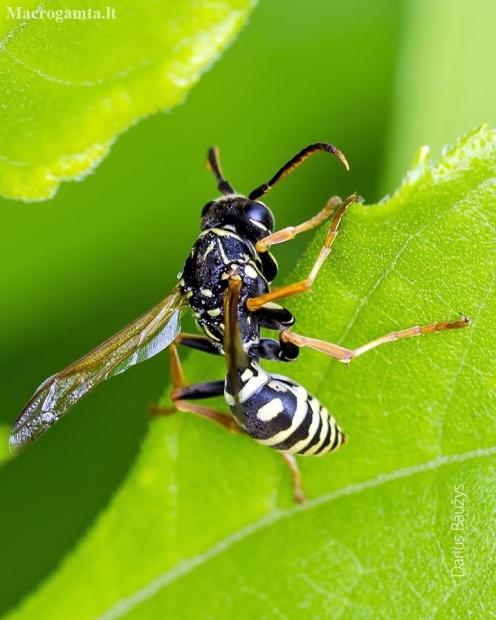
<point x="199" y="343"/>
<point x="207" y="413"/>
<point x="255" y="303"/>
<point x="346" y="355"/>
<point x="291" y="231"/>
<point x="195" y="391"/>
<point x="275" y="351"/>
<point x="290" y="461"/>
<point x="275" y="317"/>
<point x="198" y="391"/>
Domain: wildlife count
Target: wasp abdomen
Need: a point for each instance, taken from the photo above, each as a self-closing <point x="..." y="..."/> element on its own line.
<point x="279" y="413"/>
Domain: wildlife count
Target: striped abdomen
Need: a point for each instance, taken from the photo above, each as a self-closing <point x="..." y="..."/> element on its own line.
<point x="279" y="413"/>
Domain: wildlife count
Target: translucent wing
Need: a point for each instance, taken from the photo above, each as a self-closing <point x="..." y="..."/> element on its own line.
<point x="149" y="334"/>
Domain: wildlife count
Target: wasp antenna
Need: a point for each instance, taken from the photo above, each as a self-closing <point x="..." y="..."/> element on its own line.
<point x="213" y="163"/>
<point x="293" y="163"/>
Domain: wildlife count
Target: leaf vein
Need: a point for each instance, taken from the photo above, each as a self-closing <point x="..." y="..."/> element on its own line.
<point x="185" y="567"/>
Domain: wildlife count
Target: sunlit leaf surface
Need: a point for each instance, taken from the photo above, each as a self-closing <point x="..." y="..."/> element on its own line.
<point x="70" y="86"/>
<point x="205" y="525"/>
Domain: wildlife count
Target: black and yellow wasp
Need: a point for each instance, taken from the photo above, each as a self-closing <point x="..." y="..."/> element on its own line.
<point x="226" y="281"/>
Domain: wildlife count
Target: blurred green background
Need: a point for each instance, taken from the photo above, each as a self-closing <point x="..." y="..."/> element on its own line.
<point x="375" y="79"/>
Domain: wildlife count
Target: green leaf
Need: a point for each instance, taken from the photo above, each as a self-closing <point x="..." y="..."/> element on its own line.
<point x="205" y="525"/>
<point x="5" y="454"/>
<point x="70" y="87"/>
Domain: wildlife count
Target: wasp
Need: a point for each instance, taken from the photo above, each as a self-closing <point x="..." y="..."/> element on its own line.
<point x="226" y="282"/>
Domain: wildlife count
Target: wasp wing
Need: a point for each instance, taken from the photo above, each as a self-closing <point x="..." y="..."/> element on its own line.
<point x="149" y="334"/>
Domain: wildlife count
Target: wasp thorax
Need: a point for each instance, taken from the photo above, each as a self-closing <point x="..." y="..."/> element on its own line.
<point x="250" y="219"/>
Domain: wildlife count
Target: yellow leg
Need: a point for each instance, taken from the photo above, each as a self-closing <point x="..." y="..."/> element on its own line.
<point x="290" y="461"/>
<point x="207" y="413"/>
<point x="291" y="231"/>
<point x="346" y="355"/>
<point x="255" y="303"/>
<point x="180" y="387"/>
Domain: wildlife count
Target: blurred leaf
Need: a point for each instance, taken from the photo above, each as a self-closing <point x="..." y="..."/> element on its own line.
<point x="70" y="87"/>
<point x="205" y="526"/>
<point x="442" y="87"/>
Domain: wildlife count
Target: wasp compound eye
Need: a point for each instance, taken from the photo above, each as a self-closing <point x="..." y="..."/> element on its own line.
<point x="206" y="208"/>
<point x="260" y="215"/>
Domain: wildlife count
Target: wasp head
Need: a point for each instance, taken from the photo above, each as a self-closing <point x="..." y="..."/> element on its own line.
<point x="248" y="218"/>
